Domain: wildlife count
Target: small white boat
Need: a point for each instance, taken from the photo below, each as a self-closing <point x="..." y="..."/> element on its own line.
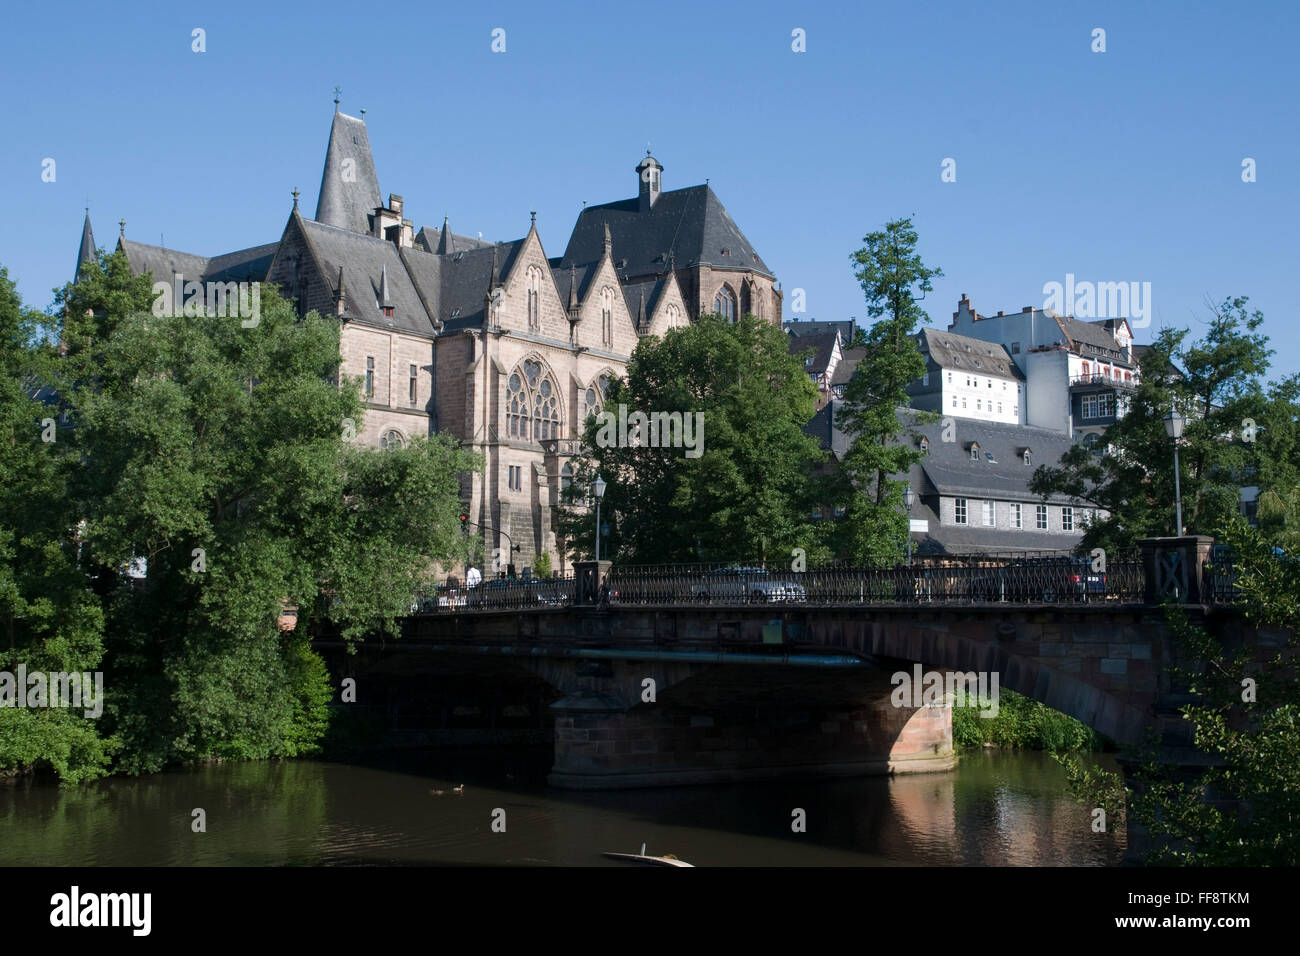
<point x="666" y="860"/>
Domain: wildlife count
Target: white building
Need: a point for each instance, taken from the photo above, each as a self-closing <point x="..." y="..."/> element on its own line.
<point x="1077" y="375"/>
<point x="967" y="377"/>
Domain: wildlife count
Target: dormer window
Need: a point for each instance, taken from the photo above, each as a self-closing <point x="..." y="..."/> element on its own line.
<point x="925" y="443"/>
<point x="974" y="451"/>
<point x="388" y="311"/>
<point x="1026" y="457"/>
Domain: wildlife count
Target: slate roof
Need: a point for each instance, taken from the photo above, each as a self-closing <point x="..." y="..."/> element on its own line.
<point x="444" y="241"/>
<point x="1086" y="333"/>
<point x="947" y="466"/>
<point x="582" y="276"/>
<point x="691" y="223"/>
<point x="950" y="350"/>
<point x="245" y="265"/>
<point x="813" y="327"/>
<point x="349" y="186"/>
<point x="947" y="470"/>
<point x="651" y="287"/>
<point x="849" y="360"/>
<point x="365" y="261"/>
<point x="822" y="344"/>
<point x="87" y="251"/>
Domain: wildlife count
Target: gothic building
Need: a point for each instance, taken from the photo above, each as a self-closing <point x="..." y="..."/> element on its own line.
<point x="497" y="344"/>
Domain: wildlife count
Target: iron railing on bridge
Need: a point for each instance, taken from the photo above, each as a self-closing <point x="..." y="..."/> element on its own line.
<point x="973" y="579"/>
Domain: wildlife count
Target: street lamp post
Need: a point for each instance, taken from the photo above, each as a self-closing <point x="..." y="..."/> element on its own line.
<point x="598" y="488"/>
<point x="1174" y="429"/>
<point x="909" y="496"/>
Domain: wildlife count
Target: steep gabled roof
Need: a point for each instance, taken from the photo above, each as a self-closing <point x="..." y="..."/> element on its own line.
<point x="823" y="346"/>
<point x="848" y="365"/>
<point x="1086" y="333"/>
<point x="691" y="223"/>
<point x="366" y="261"/>
<point x="349" y="186"/>
<point x="950" y="350"/>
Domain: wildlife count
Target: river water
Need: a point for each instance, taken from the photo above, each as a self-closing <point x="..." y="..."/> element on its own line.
<point x="997" y="808"/>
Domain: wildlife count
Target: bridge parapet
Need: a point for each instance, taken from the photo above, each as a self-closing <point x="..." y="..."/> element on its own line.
<point x="1175" y="569"/>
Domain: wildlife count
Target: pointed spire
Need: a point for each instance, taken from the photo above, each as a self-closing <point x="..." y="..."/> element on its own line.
<point x="385" y="299"/>
<point x="349" y="186"/>
<point x="640" y="312"/>
<point x="444" y="241"/>
<point x="573" y="291"/>
<point x="87" y="251"/>
<point x="609" y="242"/>
<point x="338" y="294"/>
<point x="495" y="279"/>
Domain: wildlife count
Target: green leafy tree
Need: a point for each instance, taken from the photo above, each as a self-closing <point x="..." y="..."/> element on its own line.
<point x="50" y="619"/>
<point x="1241" y="808"/>
<point x="749" y="492"/>
<point x="218" y="455"/>
<point x="894" y="280"/>
<point x="1217" y="384"/>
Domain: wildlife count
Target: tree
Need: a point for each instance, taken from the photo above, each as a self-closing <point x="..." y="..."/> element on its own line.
<point x="51" y="621"/>
<point x="1241" y="806"/>
<point x="746" y="488"/>
<point x="894" y="280"/>
<point x="1217" y="384"/>
<point x="219" y="456"/>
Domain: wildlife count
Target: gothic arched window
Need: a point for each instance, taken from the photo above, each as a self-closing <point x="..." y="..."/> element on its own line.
<point x="596" y="394"/>
<point x="724" y="303"/>
<point x="532" y="403"/>
<point x="674" y="316"/>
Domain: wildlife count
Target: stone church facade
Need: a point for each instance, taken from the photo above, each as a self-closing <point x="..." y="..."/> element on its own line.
<point x="500" y="345"/>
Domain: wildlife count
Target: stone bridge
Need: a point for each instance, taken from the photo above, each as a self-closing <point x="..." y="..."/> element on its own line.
<point x="692" y="692"/>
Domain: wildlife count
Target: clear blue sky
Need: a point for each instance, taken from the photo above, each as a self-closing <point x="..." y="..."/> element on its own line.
<point x="1115" y="166"/>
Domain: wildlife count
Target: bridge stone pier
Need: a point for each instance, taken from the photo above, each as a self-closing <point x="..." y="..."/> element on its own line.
<point x="829" y="716"/>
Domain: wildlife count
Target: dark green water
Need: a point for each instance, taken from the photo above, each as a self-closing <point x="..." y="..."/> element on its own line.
<point x="995" y="809"/>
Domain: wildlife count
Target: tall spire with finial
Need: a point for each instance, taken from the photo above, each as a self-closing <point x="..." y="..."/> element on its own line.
<point x="385" y="299"/>
<point x="573" y="291"/>
<point x="640" y="313"/>
<point x="444" y="240"/>
<point x="609" y="242"/>
<point x="338" y="295"/>
<point x="87" y="251"/>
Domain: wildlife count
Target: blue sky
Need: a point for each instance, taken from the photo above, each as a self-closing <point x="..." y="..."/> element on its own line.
<point x="1115" y="166"/>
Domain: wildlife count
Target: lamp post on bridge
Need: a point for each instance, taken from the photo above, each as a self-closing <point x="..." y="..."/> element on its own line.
<point x="1174" y="429"/>
<point x="909" y="497"/>
<point x="598" y="489"/>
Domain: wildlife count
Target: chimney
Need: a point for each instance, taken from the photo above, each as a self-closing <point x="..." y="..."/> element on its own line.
<point x="395" y="203"/>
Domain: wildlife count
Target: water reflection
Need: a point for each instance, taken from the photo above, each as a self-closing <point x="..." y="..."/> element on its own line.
<point x="996" y="808"/>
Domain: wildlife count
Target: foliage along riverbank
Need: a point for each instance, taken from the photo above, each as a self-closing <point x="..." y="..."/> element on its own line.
<point x="1022" y="723"/>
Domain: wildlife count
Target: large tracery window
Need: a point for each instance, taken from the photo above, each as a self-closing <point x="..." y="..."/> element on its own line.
<point x="724" y="303"/>
<point x="532" y="404"/>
